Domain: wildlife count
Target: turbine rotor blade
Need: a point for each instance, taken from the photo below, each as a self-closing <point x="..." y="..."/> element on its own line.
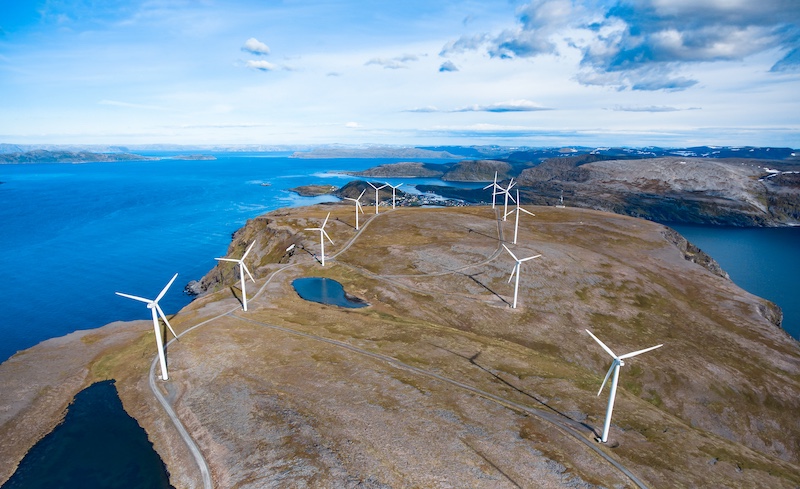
<point x="613" y="364"/>
<point x="326" y="220"/>
<point x="633" y="354"/>
<point x="607" y="349"/>
<point x="326" y="235"/>
<point x="526" y="212"/>
<point x="227" y="259"/>
<point x="134" y="297"/>
<point x="164" y="317"/>
<point x="529" y="258"/>
<point x="248" y="249"/>
<point x="513" y="271"/>
<point x="244" y="267"/>
<point x="510" y="253"/>
<point x="362" y="194"/>
<point x="164" y="290"/>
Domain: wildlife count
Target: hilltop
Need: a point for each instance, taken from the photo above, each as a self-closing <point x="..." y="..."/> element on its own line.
<point x="439" y="382"/>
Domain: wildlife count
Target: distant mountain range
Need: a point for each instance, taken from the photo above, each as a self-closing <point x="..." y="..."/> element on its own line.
<point x="511" y="154"/>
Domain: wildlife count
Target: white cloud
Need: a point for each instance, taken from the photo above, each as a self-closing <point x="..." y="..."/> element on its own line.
<point x="261" y="65"/>
<point x="448" y="66"/>
<point x="395" y="63"/>
<point x="254" y="46"/>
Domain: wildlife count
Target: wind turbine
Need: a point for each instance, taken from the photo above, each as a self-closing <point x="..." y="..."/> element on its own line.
<point x="495" y="189"/>
<point x="156" y="310"/>
<point x="242" y="270"/>
<point x="358" y="205"/>
<point x="376" y="194"/>
<point x="515" y="270"/>
<point x="507" y="191"/>
<point x="516" y="222"/>
<point x="322" y="235"/>
<point x="615" y="365"/>
<point x="394" y="189"/>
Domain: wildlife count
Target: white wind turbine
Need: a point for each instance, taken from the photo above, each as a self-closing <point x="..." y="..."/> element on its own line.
<point x="376" y="194"/>
<point x="516" y="221"/>
<point x="495" y="189"/>
<point x="515" y="270"/>
<point x="242" y="270"/>
<point x="507" y="192"/>
<point x="394" y="191"/>
<point x="358" y="205"/>
<point x="322" y="235"/>
<point x="156" y="310"/>
<point x="615" y="365"/>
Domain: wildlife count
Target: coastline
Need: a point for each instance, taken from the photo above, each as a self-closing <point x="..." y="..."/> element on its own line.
<point x="105" y="348"/>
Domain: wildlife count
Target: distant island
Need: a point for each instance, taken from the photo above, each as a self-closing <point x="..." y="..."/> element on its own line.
<point x="193" y="157"/>
<point x="45" y="156"/>
<point x="313" y="190"/>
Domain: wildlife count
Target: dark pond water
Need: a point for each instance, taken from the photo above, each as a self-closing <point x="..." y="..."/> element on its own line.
<point x="325" y="291"/>
<point x="98" y="446"/>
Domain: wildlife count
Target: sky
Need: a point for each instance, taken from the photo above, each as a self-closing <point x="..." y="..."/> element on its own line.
<point x="414" y="72"/>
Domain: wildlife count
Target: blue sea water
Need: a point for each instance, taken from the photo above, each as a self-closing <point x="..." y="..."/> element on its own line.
<point x="97" y="446"/>
<point x="763" y="261"/>
<point x="72" y="235"/>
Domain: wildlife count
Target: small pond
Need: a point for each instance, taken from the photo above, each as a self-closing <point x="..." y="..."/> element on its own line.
<point x="98" y="445"/>
<point x="325" y="291"/>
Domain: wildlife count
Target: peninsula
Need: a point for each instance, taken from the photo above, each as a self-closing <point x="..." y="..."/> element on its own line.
<point x="439" y="382"/>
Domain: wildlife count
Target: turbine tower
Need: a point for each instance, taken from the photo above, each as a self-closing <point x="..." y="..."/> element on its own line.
<point x="242" y="270"/>
<point x="495" y="189"/>
<point x="156" y="310"/>
<point x="516" y="221"/>
<point x="322" y="235"/>
<point x="615" y="365"/>
<point x="515" y="270"/>
<point x="376" y="194"/>
<point x="358" y="205"/>
<point x="394" y="191"/>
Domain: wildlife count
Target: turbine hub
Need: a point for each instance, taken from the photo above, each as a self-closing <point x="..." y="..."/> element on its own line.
<point x="622" y="363"/>
<point x="151" y="305"/>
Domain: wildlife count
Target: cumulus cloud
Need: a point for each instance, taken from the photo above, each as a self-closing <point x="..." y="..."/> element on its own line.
<point x="395" y="63"/>
<point x="448" y="66"/>
<point x="644" y="44"/>
<point x="261" y="65"/>
<point x="254" y="46"/>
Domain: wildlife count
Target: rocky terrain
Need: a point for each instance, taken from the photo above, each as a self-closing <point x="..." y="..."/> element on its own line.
<point x="722" y="191"/>
<point x="439" y="383"/>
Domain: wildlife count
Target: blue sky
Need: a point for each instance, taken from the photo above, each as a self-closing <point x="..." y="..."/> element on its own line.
<point x="535" y="73"/>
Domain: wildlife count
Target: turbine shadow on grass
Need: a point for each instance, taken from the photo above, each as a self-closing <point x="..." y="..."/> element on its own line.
<point x="237" y="296"/>
<point x="472" y="359"/>
<point x="494" y="466"/>
<point x="472" y="277"/>
<point x="346" y="223"/>
<point x="495" y="238"/>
